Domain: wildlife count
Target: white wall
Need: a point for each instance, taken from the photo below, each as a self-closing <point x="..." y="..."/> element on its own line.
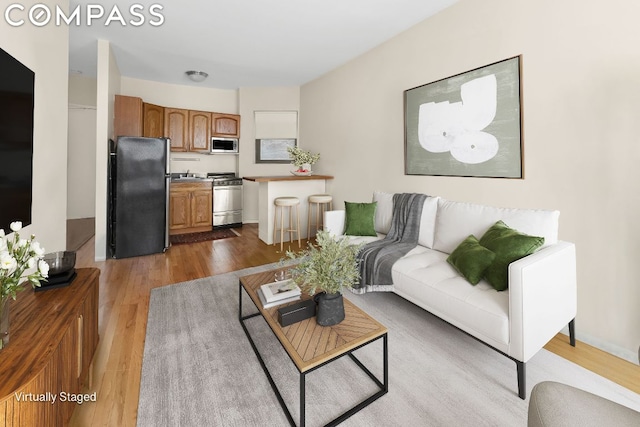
<point x="581" y="85"/>
<point x="108" y="86"/>
<point x="45" y="51"/>
<point x="81" y="153"/>
<point x="260" y="99"/>
<point x="81" y="163"/>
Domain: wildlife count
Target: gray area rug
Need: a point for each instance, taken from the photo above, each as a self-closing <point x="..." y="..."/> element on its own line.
<point x="199" y="369"/>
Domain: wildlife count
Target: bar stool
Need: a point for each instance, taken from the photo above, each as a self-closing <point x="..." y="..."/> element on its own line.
<point x="282" y="203"/>
<point x="322" y="202"/>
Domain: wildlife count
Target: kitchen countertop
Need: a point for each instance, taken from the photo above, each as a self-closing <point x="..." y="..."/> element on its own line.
<point x="190" y="179"/>
<point x="186" y="177"/>
<point x="285" y="178"/>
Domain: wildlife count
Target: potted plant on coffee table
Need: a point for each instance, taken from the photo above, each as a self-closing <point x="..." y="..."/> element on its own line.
<point x="325" y="270"/>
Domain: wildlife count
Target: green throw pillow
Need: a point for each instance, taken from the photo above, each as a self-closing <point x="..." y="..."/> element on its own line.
<point x="359" y="219"/>
<point x="509" y="245"/>
<point x="471" y="260"/>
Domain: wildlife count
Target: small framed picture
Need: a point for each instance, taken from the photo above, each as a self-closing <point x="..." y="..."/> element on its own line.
<point x="269" y="150"/>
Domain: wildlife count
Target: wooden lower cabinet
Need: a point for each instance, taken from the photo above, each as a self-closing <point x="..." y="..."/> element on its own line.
<point x="53" y="337"/>
<point x="190" y="207"/>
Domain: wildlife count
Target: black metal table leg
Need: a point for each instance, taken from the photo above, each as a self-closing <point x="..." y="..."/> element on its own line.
<point x="302" y="399"/>
<point x="385" y="357"/>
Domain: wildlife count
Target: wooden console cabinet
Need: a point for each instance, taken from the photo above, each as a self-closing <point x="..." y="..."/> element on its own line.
<point x="190" y="207"/>
<point x="53" y="337"/>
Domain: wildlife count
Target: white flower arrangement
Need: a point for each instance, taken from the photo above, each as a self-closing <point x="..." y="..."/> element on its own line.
<point x="16" y="256"/>
<point x="300" y="157"/>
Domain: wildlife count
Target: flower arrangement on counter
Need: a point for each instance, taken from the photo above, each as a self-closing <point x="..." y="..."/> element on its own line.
<point x="16" y="256"/>
<point x="299" y="157"/>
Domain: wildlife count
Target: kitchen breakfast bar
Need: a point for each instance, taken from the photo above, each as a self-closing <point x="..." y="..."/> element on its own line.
<point x="271" y="187"/>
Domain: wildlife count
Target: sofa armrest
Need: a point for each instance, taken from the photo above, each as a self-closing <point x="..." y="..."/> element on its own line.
<point x="333" y="222"/>
<point x="542" y="298"/>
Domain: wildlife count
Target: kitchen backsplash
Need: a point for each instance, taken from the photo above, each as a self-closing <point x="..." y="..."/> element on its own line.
<point x="203" y="163"/>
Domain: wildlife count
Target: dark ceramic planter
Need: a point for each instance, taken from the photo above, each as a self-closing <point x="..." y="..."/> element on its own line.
<point x="330" y="309"/>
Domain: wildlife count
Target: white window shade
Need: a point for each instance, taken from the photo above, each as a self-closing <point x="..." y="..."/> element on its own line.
<point x="276" y="124"/>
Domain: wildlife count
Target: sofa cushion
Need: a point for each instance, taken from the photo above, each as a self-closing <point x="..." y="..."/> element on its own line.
<point x="508" y="245"/>
<point x="425" y="278"/>
<point x="359" y="219"/>
<point x="456" y="220"/>
<point x="471" y="259"/>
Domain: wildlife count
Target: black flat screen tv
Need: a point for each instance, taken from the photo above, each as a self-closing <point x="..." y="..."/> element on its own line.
<point x="16" y="141"/>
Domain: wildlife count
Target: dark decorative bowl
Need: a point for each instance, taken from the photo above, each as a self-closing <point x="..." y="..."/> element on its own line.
<point x="60" y="262"/>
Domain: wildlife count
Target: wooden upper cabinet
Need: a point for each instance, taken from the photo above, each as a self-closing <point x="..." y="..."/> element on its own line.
<point x="225" y="125"/>
<point x="199" y="130"/>
<point x="127" y="116"/>
<point x="153" y="120"/>
<point x="176" y="127"/>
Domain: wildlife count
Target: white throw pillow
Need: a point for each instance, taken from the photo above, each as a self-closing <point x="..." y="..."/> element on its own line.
<point x="384" y="211"/>
<point x="428" y="222"/>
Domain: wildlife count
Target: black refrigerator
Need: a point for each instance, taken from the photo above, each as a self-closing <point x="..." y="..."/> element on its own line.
<point x="138" y="211"/>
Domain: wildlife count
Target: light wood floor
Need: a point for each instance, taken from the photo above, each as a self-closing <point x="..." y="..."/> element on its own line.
<point x="125" y="285"/>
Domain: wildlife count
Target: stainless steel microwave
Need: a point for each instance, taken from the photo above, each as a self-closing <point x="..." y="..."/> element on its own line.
<point x="224" y="145"/>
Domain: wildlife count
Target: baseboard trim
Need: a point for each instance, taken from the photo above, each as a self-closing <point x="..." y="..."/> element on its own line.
<point x="598" y="343"/>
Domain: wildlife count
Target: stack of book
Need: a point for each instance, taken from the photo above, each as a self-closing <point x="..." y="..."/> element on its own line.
<point x="277" y="293"/>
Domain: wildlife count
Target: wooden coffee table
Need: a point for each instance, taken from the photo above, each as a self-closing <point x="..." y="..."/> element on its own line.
<point x="311" y="346"/>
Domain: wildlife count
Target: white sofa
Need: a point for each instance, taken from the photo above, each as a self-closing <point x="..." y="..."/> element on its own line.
<point x="542" y="295"/>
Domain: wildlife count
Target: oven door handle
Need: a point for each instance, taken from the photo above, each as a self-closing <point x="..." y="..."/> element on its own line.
<point x="227" y="187"/>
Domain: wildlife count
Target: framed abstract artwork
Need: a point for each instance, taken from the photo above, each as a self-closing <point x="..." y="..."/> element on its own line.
<point x="469" y="124"/>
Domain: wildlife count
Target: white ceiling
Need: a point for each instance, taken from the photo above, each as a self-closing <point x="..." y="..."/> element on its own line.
<point x="243" y="43"/>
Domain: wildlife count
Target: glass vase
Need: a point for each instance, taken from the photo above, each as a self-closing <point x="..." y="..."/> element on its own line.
<point x="4" y="322"/>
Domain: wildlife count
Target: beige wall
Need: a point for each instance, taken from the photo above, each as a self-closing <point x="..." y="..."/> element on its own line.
<point x="108" y="86"/>
<point x="181" y="96"/>
<point x="581" y="85"/>
<point x="82" y="90"/>
<point x="252" y="100"/>
<point x="45" y="51"/>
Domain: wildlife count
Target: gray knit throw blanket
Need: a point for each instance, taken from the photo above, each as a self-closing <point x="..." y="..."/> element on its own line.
<point x="377" y="258"/>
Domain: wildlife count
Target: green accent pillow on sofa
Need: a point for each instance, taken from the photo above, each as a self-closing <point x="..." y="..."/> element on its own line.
<point x="471" y="259"/>
<point x="359" y="219"/>
<point x="509" y="245"/>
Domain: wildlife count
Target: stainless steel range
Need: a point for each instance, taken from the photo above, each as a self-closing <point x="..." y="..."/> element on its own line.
<point x="227" y="199"/>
